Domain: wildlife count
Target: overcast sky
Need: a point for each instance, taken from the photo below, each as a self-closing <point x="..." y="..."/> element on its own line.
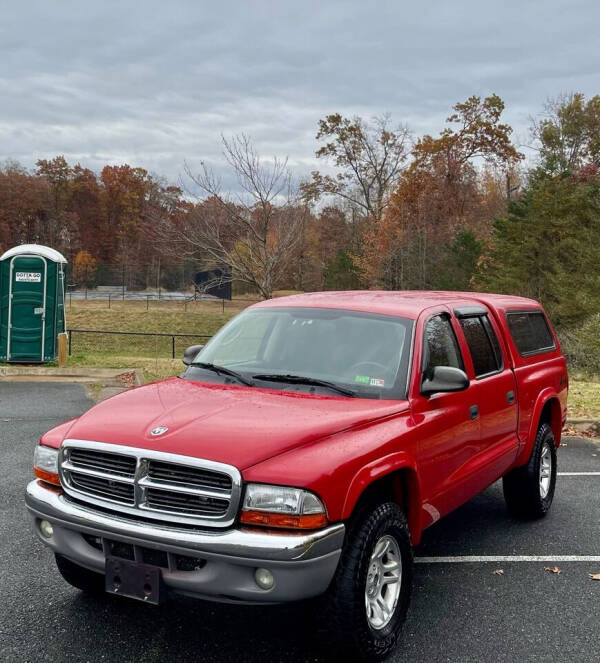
<point x="153" y="83"/>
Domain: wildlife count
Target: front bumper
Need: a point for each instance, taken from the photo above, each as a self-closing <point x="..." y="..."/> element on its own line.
<point x="302" y="564"/>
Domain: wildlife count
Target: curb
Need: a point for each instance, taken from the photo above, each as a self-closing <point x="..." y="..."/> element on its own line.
<point x="107" y="377"/>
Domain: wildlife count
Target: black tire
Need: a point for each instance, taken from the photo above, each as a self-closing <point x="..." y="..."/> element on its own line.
<point x="345" y="600"/>
<point x="522" y="490"/>
<point x="78" y="576"/>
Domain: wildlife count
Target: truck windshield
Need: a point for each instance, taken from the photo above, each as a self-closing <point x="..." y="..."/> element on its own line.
<point x="366" y="354"/>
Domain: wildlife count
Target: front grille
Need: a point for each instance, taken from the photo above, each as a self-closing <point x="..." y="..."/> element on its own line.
<point x="188" y="476"/>
<point x="110" y="463"/>
<point x="104" y="488"/>
<point x="168" y="501"/>
<point x="150" y="484"/>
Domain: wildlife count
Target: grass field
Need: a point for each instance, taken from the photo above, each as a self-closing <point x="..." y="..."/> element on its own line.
<point x="150" y="353"/>
<point x="584" y="398"/>
<point x="153" y="354"/>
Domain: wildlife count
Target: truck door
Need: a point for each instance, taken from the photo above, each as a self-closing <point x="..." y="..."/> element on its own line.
<point x="448" y="432"/>
<point x="493" y="389"/>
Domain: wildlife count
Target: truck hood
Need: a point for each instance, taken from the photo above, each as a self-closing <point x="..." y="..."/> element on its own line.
<point x="241" y="426"/>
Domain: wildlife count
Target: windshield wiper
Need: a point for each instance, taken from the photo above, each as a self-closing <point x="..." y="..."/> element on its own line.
<point x="301" y="379"/>
<point x="223" y="371"/>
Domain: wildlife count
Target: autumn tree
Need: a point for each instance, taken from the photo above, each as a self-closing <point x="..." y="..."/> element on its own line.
<point x="444" y="192"/>
<point x="84" y="268"/>
<point x="368" y="158"/>
<point x="126" y="192"/>
<point x="59" y="223"/>
<point x="23" y="206"/>
<point x="251" y="230"/>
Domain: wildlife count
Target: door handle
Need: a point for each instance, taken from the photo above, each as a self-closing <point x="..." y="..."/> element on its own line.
<point x="474" y="411"/>
<point x="510" y="397"/>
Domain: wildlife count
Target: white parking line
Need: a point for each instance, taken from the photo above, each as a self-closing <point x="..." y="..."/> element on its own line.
<point x="578" y="474"/>
<point x="507" y="558"/>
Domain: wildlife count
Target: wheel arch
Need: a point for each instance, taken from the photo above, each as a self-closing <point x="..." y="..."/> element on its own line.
<point x="551" y="415"/>
<point x="393" y="480"/>
<point x="547" y="410"/>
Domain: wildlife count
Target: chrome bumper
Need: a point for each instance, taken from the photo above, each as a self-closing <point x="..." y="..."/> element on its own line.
<point x="303" y="564"/>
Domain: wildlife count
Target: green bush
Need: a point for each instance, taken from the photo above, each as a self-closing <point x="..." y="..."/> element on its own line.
<point x="581" y="346"/>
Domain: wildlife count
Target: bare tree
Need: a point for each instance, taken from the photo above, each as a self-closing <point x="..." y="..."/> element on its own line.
<point x="369" y="158"/>
<point x="252" y="232"/>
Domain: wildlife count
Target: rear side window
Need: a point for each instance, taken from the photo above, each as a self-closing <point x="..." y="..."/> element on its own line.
<point x="483" y="345"/>
<point x="530" y="332"/>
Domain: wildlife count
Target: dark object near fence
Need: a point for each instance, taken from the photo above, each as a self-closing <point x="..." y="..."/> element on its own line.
<point x="215" y="282"/>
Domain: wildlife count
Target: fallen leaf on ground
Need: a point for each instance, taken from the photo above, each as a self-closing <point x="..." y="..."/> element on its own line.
<point x="571" y="431"/>
<point x="499" y="572"/>
<point x="594" y="576"/>
<point x="552" y="569"/>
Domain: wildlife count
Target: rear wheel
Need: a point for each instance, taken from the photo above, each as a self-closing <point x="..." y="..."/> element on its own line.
<point x="80" y="577"/>
<point x="529" y="490"/>
<point x="370" y="593"/>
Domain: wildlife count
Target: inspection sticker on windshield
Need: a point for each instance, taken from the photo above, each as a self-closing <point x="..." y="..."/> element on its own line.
<point x="372" y="382"/>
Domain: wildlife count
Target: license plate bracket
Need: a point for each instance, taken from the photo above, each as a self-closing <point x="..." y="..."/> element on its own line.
<point x="134" y="580"/>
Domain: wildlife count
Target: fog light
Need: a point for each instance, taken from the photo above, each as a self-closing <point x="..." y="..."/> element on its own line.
<point x="264" y="578"/>
<point x="46" y="529"/>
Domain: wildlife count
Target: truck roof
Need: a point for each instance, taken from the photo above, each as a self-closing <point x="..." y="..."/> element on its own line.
<point x="406" y="303"/>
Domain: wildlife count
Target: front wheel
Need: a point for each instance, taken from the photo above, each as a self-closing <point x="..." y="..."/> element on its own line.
<point x="529" y="490"/>
<point x="370" y="593"/>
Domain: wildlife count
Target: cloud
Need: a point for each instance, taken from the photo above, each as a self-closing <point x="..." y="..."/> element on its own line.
<point x="155" y="84"/>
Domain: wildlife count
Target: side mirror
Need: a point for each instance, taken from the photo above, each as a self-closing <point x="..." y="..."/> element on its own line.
<point x="190" y="354"/>
<point x="444" y="379"/>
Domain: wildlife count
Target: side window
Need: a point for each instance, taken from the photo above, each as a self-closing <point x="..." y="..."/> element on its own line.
<point x="530" y="332"/>
<point x="483" y="345"/>
<point x="441" y="346"/>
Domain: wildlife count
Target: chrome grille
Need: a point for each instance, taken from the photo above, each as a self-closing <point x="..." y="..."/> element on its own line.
<point x="105" y="488"/>
<point x="151" y="484"/>
<point x="110" y="463"/>
<point x="188" y="476"/>
<point x="164" y="499"/>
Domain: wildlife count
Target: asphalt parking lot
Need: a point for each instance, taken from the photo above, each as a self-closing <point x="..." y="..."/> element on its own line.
<point x="461" y="611"/>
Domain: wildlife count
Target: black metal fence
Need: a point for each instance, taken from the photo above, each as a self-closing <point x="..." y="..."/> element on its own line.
<point x="147" y="299"/>
<point x="91" y="279"/>
<point x="138" y="344"/>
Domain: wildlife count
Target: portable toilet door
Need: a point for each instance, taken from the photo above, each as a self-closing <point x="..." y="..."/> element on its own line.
<point x="32" y="293"/>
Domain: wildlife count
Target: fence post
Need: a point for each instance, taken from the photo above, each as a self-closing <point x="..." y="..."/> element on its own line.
<point x="147" y="301"/>
<point x="185" y="304"/>
<point x="70" y="333"/>
<point x="71" y="299"/>
<point x="123" y="281"/>
<point x="62" y="349"/>
<point x="109" y="300"/>
<point x="172" y="347"/>
<point x="223" y="305"/>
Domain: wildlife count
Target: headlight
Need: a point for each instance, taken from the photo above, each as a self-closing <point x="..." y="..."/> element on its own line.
<point x="281" y="506"/>
<point x="45" y="464"/>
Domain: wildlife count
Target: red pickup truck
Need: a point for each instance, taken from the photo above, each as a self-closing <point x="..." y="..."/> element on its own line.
<point x="303" y="452"/>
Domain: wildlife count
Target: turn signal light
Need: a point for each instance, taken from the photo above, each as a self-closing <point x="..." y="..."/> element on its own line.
<point x="48" y="477"/>
<point x="283" y="520"/>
